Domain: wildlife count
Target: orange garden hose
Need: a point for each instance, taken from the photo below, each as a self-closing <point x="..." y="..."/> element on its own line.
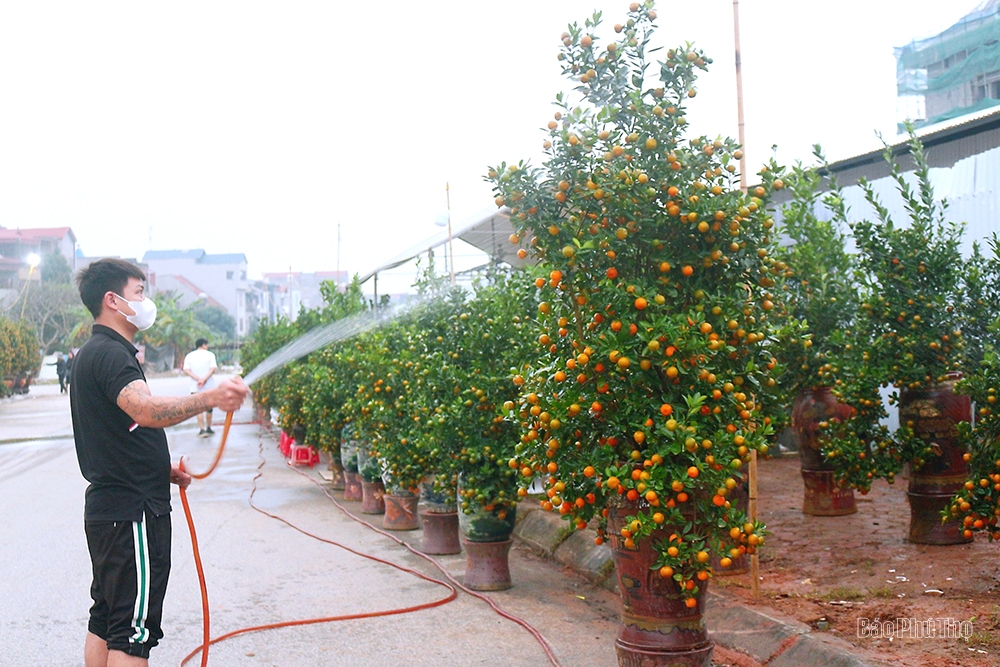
<point x="206" y="634"/>
<point x="493" y="605"/>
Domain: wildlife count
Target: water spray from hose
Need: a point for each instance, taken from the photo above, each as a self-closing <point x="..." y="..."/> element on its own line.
<point x="334" y="332"/>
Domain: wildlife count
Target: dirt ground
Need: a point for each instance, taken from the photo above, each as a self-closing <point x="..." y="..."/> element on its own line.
<point x="829" y="572"/>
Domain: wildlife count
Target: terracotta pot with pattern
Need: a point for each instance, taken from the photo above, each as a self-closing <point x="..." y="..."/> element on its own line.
<point x="811" y="409"/>
<point x="933" y="414"/>
<point x="659" y="629"/>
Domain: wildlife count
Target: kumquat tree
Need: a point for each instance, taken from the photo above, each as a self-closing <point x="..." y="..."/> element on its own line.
<point x="489" y="342"/>
<point x="653" y="323"/>
<point x="910" y="324"/>
<point x="977" y="504"/>
<point x="826" y="342"/>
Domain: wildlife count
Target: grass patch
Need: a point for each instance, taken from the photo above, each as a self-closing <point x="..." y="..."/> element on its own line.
<point x="844" y="593"/>
<point x="988" y="637"/>
<point x="883" y="592"/>
<point x="729" y="582"/>
<point x="984" y="638"/>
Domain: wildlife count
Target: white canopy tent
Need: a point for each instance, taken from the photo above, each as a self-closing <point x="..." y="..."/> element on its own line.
<point x="488" y="231"/>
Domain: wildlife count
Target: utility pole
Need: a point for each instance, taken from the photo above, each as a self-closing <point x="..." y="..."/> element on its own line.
<point x="290" y="294"/>
<point x="451" y="247"/>
<point x="338" y="255"/>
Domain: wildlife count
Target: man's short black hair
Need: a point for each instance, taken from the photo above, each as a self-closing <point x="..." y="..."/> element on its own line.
<point x="201" y="341"/>
<point x="105" y="275"/>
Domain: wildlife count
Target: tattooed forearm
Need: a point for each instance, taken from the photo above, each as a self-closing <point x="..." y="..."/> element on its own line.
<point x="159" y="411"/>
<point x="176" y="410"/>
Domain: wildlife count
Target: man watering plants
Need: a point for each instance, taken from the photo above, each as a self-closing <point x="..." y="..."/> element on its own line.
<point x="122" y="450"/>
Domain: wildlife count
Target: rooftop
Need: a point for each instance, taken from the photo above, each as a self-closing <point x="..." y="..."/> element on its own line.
<point x="35" y="235"/>
<point x="197" y="255"/>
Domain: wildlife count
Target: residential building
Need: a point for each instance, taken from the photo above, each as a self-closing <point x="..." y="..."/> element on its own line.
<point x="195" y="275"/>
<point x="17" y="244"/>
<point x="291" y="291"/>
<point x="953" y="73"/>
<point x="263" y="303"/>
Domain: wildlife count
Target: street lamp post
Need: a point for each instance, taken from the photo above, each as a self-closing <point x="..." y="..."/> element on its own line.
<point x="33" y="260"/>
<point x="445" y="220"/>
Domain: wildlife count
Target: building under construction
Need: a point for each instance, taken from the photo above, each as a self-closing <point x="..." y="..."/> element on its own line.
<point x="953" y="73"/>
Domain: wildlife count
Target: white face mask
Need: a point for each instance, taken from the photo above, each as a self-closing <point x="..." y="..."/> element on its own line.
<point x="145" y="312"/>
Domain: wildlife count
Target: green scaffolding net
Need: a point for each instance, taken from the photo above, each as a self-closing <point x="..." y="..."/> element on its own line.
<point x="957" y="71"/>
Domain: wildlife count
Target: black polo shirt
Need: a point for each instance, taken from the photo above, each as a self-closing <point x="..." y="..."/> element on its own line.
<point x="128" y="466"/>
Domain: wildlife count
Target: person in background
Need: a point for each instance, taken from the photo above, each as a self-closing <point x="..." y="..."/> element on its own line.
<point x="122" y="451"/>
<point x="69" y="367"/>
<point x="200" y="366"/>
<point x="60" y="364"/>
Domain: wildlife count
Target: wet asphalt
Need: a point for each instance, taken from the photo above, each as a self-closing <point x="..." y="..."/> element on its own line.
<point x="261" y="571"/>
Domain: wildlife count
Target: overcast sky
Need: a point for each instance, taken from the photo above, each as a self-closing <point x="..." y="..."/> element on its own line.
<point x="257" y="127"/>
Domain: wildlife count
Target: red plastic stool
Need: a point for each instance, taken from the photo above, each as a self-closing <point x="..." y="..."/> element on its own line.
<point x="302" y="455"/>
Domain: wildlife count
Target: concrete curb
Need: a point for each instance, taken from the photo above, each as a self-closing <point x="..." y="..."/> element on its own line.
<point x="762" y="634"/>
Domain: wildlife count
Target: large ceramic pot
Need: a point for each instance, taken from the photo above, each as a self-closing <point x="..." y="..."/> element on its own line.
<point x="659" y="629"/>
<point x="933" y="414"/>
<point x="486" y="524"/>
<point x="485" y="535"/>
<point x="372" y="497"/>
<point x="440" y="532"/>
<point x="822" y="495"/>
<point x="487" y="565"/>
<point x="336" y="469"/>
<point x="349" y="459"/>
<point x="400" y="510"/>
<point x="433" y="500"/>
<point x="352" y="487"/>
<point x="368" y="464"/>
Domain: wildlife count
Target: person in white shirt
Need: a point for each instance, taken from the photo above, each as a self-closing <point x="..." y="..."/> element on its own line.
<point x="200" y="366"/>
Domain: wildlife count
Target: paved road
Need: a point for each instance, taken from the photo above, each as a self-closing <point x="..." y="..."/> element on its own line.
<point x="259" y="570"/>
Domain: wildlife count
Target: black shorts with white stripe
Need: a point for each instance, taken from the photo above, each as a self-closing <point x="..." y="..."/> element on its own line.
<point x="131" y="561"/>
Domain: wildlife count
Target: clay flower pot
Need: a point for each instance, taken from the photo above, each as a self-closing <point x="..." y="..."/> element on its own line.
<point x="822" y="495"/>
<point x="934" y="412"/>
<point x="659" y="629"/>
<point x="440" y="534"/>
<point x="372" y="497"/>
<point x="400" y="510"/>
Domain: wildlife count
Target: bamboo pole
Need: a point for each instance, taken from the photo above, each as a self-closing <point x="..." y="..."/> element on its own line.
<point x="739" y="95"/>
<point x="752" y="509"/>
<point x="752" y="481"/>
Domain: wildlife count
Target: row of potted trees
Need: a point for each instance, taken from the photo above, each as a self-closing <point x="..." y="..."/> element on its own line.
<point x="413" y="409"/>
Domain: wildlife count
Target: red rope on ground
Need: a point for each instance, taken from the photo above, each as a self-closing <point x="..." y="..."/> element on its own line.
<point x="524" y="624"/>
<point x="207" y="641"/>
